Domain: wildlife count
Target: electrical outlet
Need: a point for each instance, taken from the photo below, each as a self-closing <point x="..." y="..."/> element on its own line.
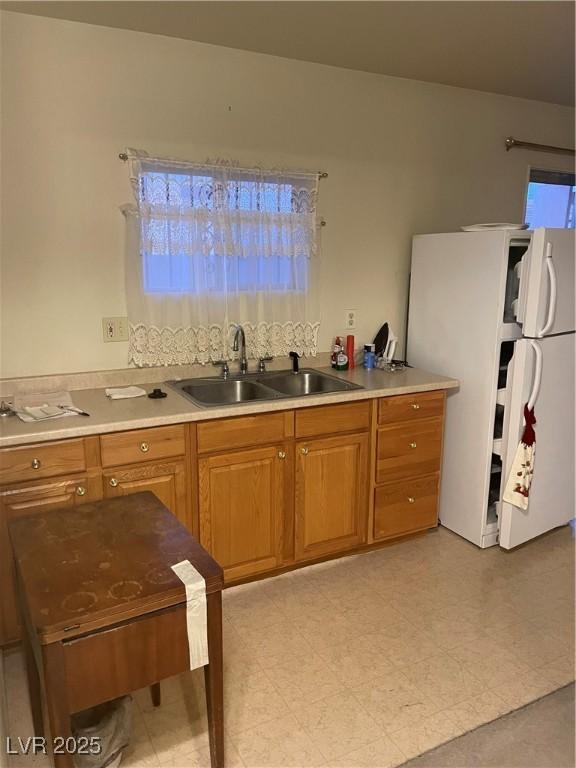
<point x="350" y="320"/>
<point x="115" y="328"/>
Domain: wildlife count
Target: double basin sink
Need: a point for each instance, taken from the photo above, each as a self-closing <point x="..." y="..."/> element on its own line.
<point x="273" y="385"/>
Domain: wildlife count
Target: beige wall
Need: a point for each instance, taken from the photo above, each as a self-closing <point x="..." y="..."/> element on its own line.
<point x="402" y="156"/>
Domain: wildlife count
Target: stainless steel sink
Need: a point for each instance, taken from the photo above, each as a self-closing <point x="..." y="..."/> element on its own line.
<point x="307" y="383"/>
<point x="251" y="387"/>
<point x="219" y="392"/>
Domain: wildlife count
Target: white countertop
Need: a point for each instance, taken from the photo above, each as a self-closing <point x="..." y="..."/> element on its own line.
<point x="117" y="415"/>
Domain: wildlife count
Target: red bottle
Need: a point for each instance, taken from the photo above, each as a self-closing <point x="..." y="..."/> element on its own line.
<point x="350" y="351"/>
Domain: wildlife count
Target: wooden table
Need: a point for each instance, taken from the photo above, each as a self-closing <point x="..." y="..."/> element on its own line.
<point x="103" y="612"/>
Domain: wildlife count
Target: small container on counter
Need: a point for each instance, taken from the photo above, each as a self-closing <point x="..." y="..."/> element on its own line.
<point x="369" y="356"/>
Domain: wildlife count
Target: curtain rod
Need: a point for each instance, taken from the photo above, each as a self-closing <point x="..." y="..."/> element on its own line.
<point x="125" y="157"/>
<point x="512" y="143"/>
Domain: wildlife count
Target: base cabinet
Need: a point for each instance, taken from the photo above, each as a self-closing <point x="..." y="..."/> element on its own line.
<point x="167" y="480"/>
<point x="40" y="496"/>
<point x="406" y="506"/>
<point x="330" y="495"/>
<point x="242" y="500"/>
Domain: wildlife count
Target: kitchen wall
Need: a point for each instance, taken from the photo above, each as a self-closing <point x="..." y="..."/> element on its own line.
<point x="403" y="157"/>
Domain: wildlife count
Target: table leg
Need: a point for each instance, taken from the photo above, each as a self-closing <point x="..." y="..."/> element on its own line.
<point x="34" y="688"/>
<point x="57" y="704"/>
<point x="214" y="680"/>
<point x="156" y="694"/>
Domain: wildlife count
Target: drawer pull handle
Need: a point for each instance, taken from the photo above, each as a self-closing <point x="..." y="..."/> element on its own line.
<point x="411" y="499"/>
<point x="144" y="447"/>
<point x="80" y="491"/>
<point x="36" y="463"/>
<point x="416" y="406"/>
<point x="281" y="454"/>
<point x="304" y="451"/>
<point x="113" y="482"/>
<point x="412" y="445"/>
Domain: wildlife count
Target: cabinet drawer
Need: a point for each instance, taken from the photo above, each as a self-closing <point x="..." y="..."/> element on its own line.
<point x="410" y="505"/>
<point x="244" y="431"/>
<point x="408" y="407"/>
<point x="32" y="462"/>
<point x="408" y="450"/>
<point x="328" y="419"/>
<point x="142" y="445"/>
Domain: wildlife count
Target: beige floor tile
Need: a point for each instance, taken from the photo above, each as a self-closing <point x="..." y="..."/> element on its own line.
<point x="403" y="643"/>
<point x="276" y="643"/>
<point x="444" y="680"/>
<point x="176" y="728"/>
<point x="480" y="709"/>
<point x="380" y="754"/>
<point x="531" y="646"/>
<point x="488" y="661"/>
<point x="429" y="733"/>
<point x="141" y="753"/>
<point x="252" y="702"/>
<point x="328" y="627"/>
<point x="182" y="757"/>
<point x="281" y="743"/>
<point x="447" y="633"/>
<point x="304" y="680"/>
<point x="338" y="725"/>
<point x="533" y="684"/>
<point x="394" y="702"/>
<point x="356" y="661"/>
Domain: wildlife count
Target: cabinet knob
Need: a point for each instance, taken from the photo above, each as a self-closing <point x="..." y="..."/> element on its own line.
<point x="80" y="491"/>
<point x="113" y="482"/>
<point x="281" y="454"/>
<point x="411" y="499"/>
<point x="36" y="463"/>
<point x="144" y="447"/>
<point x="304" y="451"/>
<point x="412" y="445"/>
<point x="416" y="406"/>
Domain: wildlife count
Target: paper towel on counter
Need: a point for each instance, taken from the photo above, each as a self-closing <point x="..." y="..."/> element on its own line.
<point x="122" y="393"/>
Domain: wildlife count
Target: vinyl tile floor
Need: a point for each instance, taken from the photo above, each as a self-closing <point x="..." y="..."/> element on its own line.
<point x="365" y="661"/>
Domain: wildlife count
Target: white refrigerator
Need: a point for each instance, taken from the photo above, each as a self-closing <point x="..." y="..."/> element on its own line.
<point x="495" y="309"/>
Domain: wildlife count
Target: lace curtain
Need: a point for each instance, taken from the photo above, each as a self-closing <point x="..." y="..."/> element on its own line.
<point x="210" y="246"/>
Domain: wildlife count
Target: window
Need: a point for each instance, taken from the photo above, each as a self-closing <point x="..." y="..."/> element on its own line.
<point x="550" y="199"/>
<point x="207" y="236"/>
<point x="211" y="246"/>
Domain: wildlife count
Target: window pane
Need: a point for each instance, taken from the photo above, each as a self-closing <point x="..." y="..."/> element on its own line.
<point x="550" y="200"/>
<point x="231" y="254"/>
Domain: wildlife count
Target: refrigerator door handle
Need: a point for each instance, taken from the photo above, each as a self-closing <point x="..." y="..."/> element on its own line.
<point x="553" y="292"/>
<point x="537" y="375"/>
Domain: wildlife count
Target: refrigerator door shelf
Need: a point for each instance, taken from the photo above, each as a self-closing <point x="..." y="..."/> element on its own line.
<point x="546" y="300"/>
<point x="551" y="501"/>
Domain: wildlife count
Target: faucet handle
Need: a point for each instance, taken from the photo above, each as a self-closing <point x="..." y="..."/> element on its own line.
<point x="225" y="367"/>
<point x="262" y="363"/>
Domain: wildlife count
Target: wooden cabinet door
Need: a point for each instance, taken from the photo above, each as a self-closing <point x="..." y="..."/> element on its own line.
<point x="242" y="501"/>
<point x="27" y="499"/>
<point x="166" y="480"/>
<point x="331" y="495"/>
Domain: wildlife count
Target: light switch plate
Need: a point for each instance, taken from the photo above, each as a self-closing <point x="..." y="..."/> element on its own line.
<point x="115" y="328"/>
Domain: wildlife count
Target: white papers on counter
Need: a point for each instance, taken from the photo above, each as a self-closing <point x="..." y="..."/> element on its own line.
<point x="122" y="393"/>
<point x="45" y="405"/>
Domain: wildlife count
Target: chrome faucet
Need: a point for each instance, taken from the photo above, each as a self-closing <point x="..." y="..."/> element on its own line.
<point x="241" y="347"/>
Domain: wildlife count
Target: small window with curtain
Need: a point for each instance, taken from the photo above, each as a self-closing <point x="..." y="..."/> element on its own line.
<point x="211" y="246"/>
<point x="550" y="199"/>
